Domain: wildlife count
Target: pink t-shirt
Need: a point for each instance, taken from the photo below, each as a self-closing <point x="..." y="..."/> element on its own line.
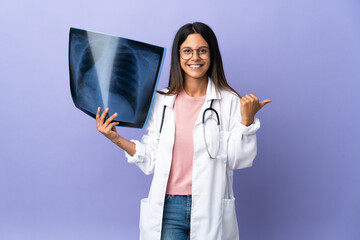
<point x="186" y="111"/>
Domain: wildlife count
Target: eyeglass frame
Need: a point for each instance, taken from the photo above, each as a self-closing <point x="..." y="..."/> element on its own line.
<point x="192" y="53"/>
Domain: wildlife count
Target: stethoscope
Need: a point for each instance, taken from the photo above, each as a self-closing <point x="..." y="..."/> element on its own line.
<point x="213" y="152"/>
<point x="214" y="135"/>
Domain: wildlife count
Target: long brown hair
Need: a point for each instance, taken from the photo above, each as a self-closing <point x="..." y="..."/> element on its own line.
<point x="216" y="70"/>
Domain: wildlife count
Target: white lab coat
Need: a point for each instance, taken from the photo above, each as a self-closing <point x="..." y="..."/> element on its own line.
<point x="213" y="215"/>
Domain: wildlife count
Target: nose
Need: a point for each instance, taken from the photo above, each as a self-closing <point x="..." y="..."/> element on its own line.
<point x="195" y="55"/>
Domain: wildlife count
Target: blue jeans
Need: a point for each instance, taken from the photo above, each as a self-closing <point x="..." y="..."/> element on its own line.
<point x="176" y="217"/>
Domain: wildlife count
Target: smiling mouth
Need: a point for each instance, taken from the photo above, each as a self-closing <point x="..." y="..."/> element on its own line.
<point x="195" y="66"/>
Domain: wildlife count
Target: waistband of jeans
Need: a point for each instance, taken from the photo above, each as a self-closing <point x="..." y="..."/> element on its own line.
<point x="175" y="195"/>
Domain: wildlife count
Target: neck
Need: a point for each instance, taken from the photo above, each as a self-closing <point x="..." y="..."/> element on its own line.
<point x="195" y="87"/>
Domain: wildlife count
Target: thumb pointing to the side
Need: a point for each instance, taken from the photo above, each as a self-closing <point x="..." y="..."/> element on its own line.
<point x="263" y="103"/>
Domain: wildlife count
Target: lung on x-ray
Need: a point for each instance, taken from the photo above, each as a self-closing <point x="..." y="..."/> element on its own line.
<point x="114" y="72"/>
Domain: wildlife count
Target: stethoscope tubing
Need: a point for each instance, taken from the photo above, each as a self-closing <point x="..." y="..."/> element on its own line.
<point x="203" y="121"/>
<point x="218" y="123"/>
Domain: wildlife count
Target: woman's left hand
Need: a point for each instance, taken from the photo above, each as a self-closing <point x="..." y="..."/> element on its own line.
<point x="249" y="106"/>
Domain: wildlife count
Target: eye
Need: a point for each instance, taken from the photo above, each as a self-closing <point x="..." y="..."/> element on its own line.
<point x="203" y="50"/>
<point x="186" y="50"/>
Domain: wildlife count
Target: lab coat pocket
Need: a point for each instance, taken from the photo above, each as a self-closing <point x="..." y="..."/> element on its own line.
<point x="229" y="221"/>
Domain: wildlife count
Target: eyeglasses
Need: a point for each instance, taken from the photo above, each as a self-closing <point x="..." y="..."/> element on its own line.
<point x="187" y="53"/>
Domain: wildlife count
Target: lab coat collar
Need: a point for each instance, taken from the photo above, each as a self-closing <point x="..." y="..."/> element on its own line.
<point x="169" y="100"/>
<point x="211" y="93"/>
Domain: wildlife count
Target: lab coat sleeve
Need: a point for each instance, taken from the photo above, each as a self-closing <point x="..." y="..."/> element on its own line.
<point x="145" y="154"/>
<point x="242" y="145"/>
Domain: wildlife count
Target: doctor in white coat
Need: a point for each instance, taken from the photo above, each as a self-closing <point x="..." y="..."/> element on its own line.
<point x="223" y="140"/>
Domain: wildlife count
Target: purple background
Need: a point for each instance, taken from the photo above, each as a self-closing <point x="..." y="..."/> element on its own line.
<point x="60" y="179"/>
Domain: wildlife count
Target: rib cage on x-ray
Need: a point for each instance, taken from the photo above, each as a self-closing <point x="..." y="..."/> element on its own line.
<point x="124" y="78"/>
<point x="131" y="81"/>
<point x="85" y="85"/>
<point x="118" y="73"/>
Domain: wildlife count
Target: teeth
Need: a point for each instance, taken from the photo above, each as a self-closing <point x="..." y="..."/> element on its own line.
<point x="194" y="65"/>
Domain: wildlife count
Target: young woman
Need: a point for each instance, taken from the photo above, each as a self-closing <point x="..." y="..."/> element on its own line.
<point x="199" y="131"/>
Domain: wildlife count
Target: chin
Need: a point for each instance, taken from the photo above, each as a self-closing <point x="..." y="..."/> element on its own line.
<point x="196" y="76"/>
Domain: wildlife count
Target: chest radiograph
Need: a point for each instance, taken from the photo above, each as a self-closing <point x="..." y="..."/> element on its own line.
<point x="114" y="72"/>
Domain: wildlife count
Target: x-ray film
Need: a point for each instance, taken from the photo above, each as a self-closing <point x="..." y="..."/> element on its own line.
<point x="114" y="72"/>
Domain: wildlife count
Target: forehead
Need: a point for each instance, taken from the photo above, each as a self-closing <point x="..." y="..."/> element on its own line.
<point x="194" y="40"/>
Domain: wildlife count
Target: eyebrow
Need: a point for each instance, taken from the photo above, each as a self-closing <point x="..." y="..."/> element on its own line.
<point x="198" y="47"/>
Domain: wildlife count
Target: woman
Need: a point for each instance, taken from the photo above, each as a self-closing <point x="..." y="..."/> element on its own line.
<point x="192" y="150"/>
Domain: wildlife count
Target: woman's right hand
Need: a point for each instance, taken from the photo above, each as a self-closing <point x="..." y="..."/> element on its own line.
<point x="107" y="127"/>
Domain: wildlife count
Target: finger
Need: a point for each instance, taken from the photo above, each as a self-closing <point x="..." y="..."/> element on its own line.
<point x="244" y="98"/>
<point x="98" y="116"/>
<point x="254" y="96"/>
<point x="103" y="115"/>
<point x="110" y="119"/>
<point x="98" y="112"/>
<point x="251" y="98"/>
<point x="266" y="101"/>
<point x="111" y="125"/>
<point x="244" y="101"/>
<point x="248" y="98"/>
